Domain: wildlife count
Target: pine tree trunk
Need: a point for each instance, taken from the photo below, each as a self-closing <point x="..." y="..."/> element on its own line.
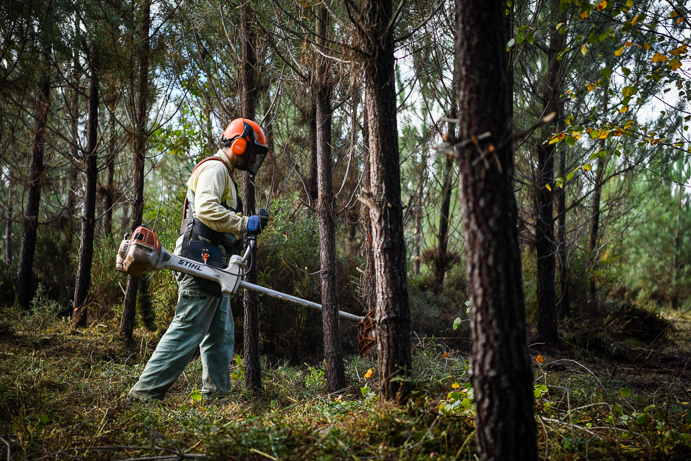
<point x="248" y="108"/>
<point x="333" y="351"/>
<point x="501" y="369"/>
<point x="562" y="253"/>
<point x="417" y="233"/>
<point x="547" y="327"/>
<point x="312" y="187"/>
<point x="595" y="227"/>
<point x="676" y="264"/>
<point x="384" y="201"/>
<point x="368" y="288"/>
<point x="442" y="236"/>
<point x="140" y="139"/>
<point x="109" y="199"/>
<point x="86" y="244"/>
<point x="8" y="225"/>
<point x="33" y="196"/>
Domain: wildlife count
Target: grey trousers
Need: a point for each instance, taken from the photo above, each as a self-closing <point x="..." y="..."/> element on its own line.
<point x="203" y="321"/>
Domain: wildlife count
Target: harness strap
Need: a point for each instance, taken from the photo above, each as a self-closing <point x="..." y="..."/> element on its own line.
<point x="190" y="227"/>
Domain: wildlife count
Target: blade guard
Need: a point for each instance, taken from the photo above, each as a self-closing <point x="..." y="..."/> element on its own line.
<point x="140" y="254"/>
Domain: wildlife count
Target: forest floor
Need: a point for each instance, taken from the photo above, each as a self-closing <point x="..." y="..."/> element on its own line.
<point x="63" y="396"/>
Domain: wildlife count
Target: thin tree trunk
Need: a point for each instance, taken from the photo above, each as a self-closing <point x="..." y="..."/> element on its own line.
<point x="547" y="327"/>
<point x="442" y="236"/>
<point x="676" y="265"/>
<point x="110" y="180"/>
<point x="417" y="233"/>
<point x="86" y="244"/>
<point x="562" y="253"/>
<point x="595" y="227"/>
<point x="36" y="176"/>
<point x="501" y="369"/>
<point x="248" y="108"/>
<point x="8" y="225"/>
<point x="384" y="201"/>
<point x="333" y="351"/>
<point x="313" y="188"/>
<point x="140" y="139"/>
<point x="370" y="274"/>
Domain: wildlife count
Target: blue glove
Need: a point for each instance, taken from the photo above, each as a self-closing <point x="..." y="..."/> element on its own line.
<point x="257" y="222"/>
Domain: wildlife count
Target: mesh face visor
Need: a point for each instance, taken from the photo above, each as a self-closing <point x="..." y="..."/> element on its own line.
<point x="257" y="155"/>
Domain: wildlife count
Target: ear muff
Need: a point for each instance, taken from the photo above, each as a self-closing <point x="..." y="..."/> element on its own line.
<point x="240" y="144"/>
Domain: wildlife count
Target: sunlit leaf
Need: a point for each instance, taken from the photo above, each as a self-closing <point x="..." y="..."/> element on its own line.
<point x="683" y="49"/>
<point x="659" y="57"/>
<point x="584" y="49"/>
<point x="576" y="134"/>
<point x="455" y="385"/>
<point x="456" y="323"/>
<point x="603" y="135"/>
<point x="196" y="396"/>
<point x="364" y="390"/>
<point x="548" y="188"/>
<point x="601" y="6"/>
<point x="619" y="51"/>
<point x="587" y="167"/>
<point x="590" y="87"/>
<point x="369" y="373"/>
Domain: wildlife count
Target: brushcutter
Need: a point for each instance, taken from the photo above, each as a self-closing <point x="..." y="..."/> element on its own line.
<point x="143" y="253"/>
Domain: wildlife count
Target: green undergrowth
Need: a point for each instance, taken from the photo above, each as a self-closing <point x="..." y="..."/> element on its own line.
<point x="63" y="396"/>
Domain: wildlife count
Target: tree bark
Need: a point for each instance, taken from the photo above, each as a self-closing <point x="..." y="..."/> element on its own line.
<point x="140" y="140"/>
<point x="440" y="264"/>
<point x="333" y="350"/>
<point x="86" y="244"/>
<point x="384" y="201"/>
<point x="33" y="196"/>
<point x="8" y="224"/>
<point x="312" y="186"/>
<point x="677" y="264"/>
<point x="109" y="190"/>
<point x="547" y="327"/>
<point x="562" y="253"/>
<point x="248" y="108"/>
<point x="595" y="227"/>
<point x="500" y="363"/>
<point x="417" y="233"/>
<point x="368" y="288"/>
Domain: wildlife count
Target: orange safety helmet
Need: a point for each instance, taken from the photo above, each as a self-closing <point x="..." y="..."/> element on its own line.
<point x="246" y="138"/>
<point x="242" y="133"/>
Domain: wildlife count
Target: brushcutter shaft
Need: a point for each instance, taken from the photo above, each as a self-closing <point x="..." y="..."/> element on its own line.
<point x="303" y="302"/>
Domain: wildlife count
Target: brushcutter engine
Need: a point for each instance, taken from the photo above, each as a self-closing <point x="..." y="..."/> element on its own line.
<point x="143" y="253"/>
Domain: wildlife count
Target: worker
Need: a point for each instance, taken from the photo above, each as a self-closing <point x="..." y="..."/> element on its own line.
<point x="212" y="229"/>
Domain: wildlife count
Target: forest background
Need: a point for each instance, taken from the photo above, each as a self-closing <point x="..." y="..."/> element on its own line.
<point x="106" y="107"/>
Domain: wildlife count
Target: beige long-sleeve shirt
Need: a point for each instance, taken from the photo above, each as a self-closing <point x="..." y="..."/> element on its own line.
<point x="213" y="187"/>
